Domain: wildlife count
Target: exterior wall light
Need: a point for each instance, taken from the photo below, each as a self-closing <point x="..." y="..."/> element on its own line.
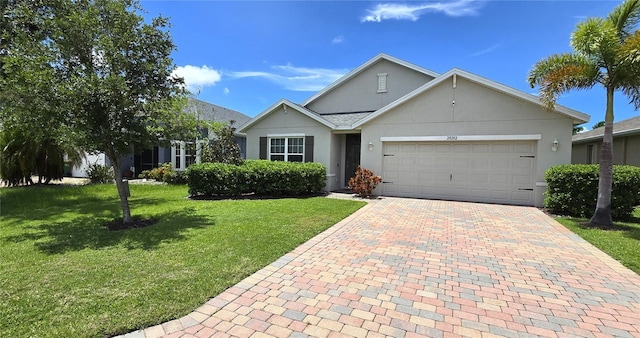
<point x="554" y="145"/>
<point x="370" y="145"/>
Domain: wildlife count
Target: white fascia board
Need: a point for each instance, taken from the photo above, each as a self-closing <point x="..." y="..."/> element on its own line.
<point x="364" y="66"/>
<point x="576" y="115"/>
<point x="458" y="138"/>
<point x="289" y="104"/>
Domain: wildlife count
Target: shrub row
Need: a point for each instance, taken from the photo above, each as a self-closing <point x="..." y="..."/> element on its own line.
<point x="573" y="190"/>
<point x="264" y="178"/>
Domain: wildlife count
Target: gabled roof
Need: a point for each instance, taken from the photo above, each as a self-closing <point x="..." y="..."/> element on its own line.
<point x="577" y="116"/>
<point x="361" y="68"/>
<point x="624" y="127"/>
<point x="211" y="112"/>
<point x="286" y="103"/>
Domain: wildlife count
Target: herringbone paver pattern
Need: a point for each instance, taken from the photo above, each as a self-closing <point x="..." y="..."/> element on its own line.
<point x="415" y="268"/>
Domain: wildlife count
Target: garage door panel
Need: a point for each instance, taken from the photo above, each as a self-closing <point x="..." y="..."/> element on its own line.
<point x="461" y="148"/>
<point x="522" y="180"/>
<point x="522" y="195"/>
<point x="478" y="193"/>
<point x="408" y="148"/>
<point x="443" y="148"/>
<point x="407" y="161"/>
<point x="479" y="178"/>
<point x="479" y="163"/>
<point x="442" y="163"/>
<point x="425" y="148"/>
<point x="502" y="171"/>
<point x="526" y="147"/>
<point x="522" y="163"/>
<point x="500" y="195"/>
<point x="481" y="148"/>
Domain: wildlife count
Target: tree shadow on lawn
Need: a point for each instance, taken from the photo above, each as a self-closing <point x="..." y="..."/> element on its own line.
<point x="632" y="232"/>
<point x="89" y="232"/>
<point x="48" y="203"/>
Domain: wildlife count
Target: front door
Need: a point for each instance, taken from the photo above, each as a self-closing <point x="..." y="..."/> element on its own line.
<point x="352" y="156"/>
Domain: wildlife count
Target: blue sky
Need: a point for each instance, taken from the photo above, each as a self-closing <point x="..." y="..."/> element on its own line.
<point x="246" y="55"/>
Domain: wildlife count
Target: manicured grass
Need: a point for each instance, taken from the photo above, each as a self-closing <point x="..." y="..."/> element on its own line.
<point x="623" y="243"/>
<point x="62" y="274"/>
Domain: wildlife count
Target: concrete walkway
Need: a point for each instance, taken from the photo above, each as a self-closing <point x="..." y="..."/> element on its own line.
<point x="409" y="268"/>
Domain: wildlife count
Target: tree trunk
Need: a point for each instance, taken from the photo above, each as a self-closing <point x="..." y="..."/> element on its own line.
<point x="124" y="199"/>
<point x="602" y="214"/>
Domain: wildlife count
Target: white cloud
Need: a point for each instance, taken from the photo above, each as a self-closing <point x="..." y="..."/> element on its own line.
<point x="338" y="39"/>
<point x="226" y="91"/>
<point x="295" y="78"/>
<point x="396" y="11"/>
<point x="487" y="50"/>
<point x="197" y="77"/>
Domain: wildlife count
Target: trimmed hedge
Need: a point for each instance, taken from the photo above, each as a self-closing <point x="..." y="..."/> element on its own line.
<point x="264" y="178"/>
<point x="573" y="190"/>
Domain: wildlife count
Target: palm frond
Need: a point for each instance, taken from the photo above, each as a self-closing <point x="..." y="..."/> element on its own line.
<point x="561" y="73"/>
<point x="625" y="17"/>
<point x="628" y="71"/>
<point x="596" y="39"/>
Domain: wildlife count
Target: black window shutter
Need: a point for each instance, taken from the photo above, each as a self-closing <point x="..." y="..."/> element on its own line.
<point x="263" y="148"/>
<point x="308" y="149"/>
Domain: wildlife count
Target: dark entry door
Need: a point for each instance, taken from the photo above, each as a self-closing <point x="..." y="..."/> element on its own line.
<point x="146" y="160"/>
<point x="352" y="156"/>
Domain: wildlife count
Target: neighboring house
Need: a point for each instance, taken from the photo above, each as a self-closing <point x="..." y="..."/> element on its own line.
<point x="626" y="144"/>
<point x="452" y="136"/>
<point x="181" y="153"/>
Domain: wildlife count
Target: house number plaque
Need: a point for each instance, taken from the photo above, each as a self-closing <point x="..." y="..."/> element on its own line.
<point x="452" y="138"/>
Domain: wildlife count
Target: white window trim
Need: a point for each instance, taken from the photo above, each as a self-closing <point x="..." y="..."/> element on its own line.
<point x="183" y="154"/>
<point x="286" y="138"/>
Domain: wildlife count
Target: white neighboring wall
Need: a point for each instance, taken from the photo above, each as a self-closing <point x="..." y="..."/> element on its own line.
<point x="81" y="171"/>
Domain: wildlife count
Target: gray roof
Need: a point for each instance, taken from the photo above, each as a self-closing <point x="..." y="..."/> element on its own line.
<point x="211" y="112"/>
<point x="344" y="119"/>
<point x="628" y="126"/>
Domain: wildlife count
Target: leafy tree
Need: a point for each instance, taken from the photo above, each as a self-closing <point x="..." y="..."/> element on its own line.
<point x="102" y="70"/>
<point x="606" y="51"/>
<point x="223" y="147"/>
<point x="34" y="138"/>
<point x="577" y="129"/>
<point x="598" y="125"/>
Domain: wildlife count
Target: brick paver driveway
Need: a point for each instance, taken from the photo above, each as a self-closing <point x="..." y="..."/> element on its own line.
<point x="405" y="267"/>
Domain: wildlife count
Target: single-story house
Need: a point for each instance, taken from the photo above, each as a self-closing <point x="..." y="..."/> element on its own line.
<point x="626" y="144"/>
<point x="453" y="136"/>
<point x="181" y="153"/>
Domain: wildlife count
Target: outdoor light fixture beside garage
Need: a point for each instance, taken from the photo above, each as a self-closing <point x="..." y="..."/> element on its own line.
<point x="554" y="145"/>
<point x="370" y="145"/>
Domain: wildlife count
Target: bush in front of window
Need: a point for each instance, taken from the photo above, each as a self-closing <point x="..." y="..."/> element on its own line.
<point x="572" y="189"/>
<point x="259" y="177"/>
<point x="157" y="174"/>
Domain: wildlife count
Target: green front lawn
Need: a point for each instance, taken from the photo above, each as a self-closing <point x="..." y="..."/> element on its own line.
<point x="63" y="274"/>
<point x="623" y="243"/>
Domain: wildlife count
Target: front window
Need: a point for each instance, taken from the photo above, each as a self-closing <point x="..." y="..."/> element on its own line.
<point x="184" y="154"/>
<point x="190" y="153"/>
<point x="290" y="149"/>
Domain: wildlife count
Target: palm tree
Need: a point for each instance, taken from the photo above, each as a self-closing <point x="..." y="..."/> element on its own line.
<point x="606" y="51"/>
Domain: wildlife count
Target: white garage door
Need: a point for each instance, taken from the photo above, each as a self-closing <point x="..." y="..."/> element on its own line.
<point x="496" y="171"/>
